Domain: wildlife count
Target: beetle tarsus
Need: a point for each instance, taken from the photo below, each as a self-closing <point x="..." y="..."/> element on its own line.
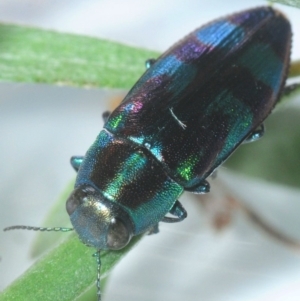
<point x="149" y="63"/>
<point x="76" y="162"/>
<point x="153" y="230"/>
<point x="256" y="134"/>
<point x="201" y="188"/>
<point x="178" y="211"/>
<point x="105" y="115"/>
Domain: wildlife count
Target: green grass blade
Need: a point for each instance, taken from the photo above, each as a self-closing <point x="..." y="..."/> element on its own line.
<point x="295" y="3"/>
<point x="39" y="56"/>
<point x="63" y="274"/>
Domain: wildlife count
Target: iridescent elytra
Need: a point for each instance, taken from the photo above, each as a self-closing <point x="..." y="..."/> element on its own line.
<point x="184" y="117"/>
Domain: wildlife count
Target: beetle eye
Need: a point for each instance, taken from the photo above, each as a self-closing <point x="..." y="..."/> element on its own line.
<point x="118" y="235"/>
<point x="72" y="203"/>
<point x="78" y="197"/>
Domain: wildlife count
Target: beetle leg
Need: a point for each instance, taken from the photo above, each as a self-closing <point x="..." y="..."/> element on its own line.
<point x="76" y="161"/>
<point x="153" y="230"/>
<point x="105" y="115"/>
<point x="201" y="188"/>
<point x="178" y="211"/>
<point x="149" y="63"/>
<point x="256" y="134"/>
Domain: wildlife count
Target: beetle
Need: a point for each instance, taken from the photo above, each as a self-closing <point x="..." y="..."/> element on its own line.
<point x="183" y="118"/>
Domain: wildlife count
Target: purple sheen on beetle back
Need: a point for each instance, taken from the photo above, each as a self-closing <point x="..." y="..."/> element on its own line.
<point x="247" y="56"/>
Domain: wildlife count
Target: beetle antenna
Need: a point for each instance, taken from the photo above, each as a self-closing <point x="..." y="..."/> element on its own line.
<point x="48" y="229"/>
<point x="97" y="254"/>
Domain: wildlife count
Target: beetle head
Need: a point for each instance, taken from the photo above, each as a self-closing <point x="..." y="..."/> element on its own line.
<point x="100" y="223"/>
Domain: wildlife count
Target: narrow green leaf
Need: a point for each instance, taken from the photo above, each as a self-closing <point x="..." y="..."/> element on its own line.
<point x="63" y="274"/>
<point x="295" y="3"/>
<point x="39" y="56"/>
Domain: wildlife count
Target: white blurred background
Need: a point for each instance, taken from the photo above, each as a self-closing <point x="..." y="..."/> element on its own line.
<point x="42" y="126"/>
